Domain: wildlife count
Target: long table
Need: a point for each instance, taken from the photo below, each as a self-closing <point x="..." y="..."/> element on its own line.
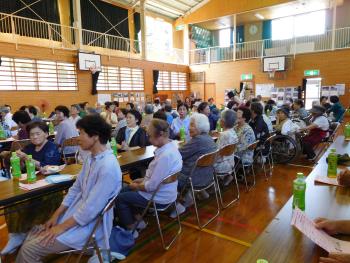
<point x="281" y="242"/>
<point x="10" y="192"/>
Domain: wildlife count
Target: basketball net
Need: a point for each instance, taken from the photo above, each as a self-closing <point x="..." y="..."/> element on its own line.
<point x="272" y="74"/>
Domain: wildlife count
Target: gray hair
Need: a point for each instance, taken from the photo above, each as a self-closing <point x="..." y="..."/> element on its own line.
<point x="201" y="121"/>
<point x="229" y="117"/>
<point x="149" y="109"/>
<point x="4" y="109"/>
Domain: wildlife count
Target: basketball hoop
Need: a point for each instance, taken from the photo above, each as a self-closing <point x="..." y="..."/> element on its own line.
<point x="94" y="69"/>
<point x="272" y="73"/>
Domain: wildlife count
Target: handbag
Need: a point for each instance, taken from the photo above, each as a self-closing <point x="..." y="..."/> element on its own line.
<point x="121" y="240"/>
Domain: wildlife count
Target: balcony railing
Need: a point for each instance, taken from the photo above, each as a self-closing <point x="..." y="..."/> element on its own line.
<point x="330" y="40"/>
<point x="21" y="30"/>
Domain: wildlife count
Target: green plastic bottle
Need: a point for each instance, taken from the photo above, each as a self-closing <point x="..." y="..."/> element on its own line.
<point x="262" y="261"/>
<point x="268" y="113"/>
<point x="299" y="188"/>
<point x="30" y="166"/>
<point x="2" y="133"/>
<point x="15" y="166"/>
<point x="51" y="128"/>
<point x="218" y="126"/>
<point x="114" y="146"/>
<point x="182" y="134"/>
<point x="332" y="164"/>
<point x="347" y="131"/>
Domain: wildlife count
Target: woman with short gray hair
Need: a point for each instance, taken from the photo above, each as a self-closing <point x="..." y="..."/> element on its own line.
<point x="146" y="120"/>
<point x="224" y="165"/>
<point x="201" y="143"/>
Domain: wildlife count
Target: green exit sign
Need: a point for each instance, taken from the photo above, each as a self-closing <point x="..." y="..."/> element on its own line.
<point x="312" y="72"/>
<point x="247" y="76"/>
<point x="180" y="27"/>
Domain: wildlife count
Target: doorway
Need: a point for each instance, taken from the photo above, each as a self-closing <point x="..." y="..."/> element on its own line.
<point x="312" y="91"/>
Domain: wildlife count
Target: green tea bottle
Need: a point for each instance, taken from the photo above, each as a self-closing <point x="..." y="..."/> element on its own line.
<point x="30" y="166"/>
<point x="299" y="189"/>
<point x="15" y="166"/>
<point x="332" y="164"/>
<point x="51" y="128"/>
<point x="114" y="146"/>
<point x="182" y="134"/>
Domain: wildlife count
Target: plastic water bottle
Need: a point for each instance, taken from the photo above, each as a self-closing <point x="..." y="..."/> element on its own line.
<point x="299" y="188"/>
<point x="51" y="128"/>
<point x="114" y="146"/>
<point x="182" y="134"/>
<point x="15" y="166"/>
<point x="262" y="261"/>
<point x="2" y="133"/>
<point x="30" y="166"/>
<point x="218" y="126"/>
<point x="332" y="164"/>
<point x="347" y="131"/>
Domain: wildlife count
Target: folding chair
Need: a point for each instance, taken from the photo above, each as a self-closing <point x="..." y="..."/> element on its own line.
<point x="227" y="150"/>
<point x="91" y="243"/>
<point x="19" y="145"/>
<point x="251" y="147"/>
<point x="206" y="160"/>
<point x="269" y="156"/>
<point x="69" y="143"/>
<point x="152" y="206"/>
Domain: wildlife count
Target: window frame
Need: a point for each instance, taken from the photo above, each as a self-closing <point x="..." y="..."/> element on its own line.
<point x="181" y="79"/>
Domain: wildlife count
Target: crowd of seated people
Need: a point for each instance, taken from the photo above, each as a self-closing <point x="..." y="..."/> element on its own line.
<point x="68" y="222"/>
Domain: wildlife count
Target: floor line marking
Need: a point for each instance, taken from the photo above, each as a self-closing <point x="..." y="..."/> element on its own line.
<point x="232" y="239"/>
<point x="300" y="165"/>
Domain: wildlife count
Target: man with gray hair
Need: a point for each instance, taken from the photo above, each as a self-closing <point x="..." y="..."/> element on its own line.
<point x="7" y="122"/>
<point x="200" y="143"/>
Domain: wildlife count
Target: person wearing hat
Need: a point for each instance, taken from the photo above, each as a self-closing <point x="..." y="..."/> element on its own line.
<point x="317" y="131"/>
<point x="284" y="124"/>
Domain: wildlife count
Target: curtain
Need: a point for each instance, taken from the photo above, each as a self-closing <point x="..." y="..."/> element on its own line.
<point x="46" y="9"/>
<point x="93" y="20"/>
<point x="94" y="82"/>
<point x="137" y="23"/>
<point x="155" y="81"/>
<point x="267" y="33"/>
<point x="240" y="34"/>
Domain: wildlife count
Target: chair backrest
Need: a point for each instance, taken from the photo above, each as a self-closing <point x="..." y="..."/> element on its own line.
<point x="19" y="145"/>
<point x="109" y="205"/>
<point x="206" y="160"/>
<point x="70" y="142"/>
<point x="253" y="145"/>
<point x="227" y="150"/>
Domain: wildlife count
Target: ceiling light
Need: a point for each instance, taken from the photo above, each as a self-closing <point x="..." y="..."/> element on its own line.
<point x="259" y="16"/>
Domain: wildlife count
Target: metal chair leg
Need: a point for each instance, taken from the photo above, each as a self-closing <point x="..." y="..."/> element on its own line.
<point x="220" y="193"/>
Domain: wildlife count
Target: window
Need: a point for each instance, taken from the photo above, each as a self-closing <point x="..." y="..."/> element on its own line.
<point x="172" y="80"/>
<point x="120" y="78"/>
<point x="159" y="34"/>
<point x="313" y="91"/>
<point x="301" y="25"/>
<point x="225" y="37"/>
<point x="31" y="74"/>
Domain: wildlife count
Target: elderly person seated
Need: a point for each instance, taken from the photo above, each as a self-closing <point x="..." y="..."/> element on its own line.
<point x="245" y="135"/>
<point x="44" y="152"/>
<point x="131" y="136"/>
<point x="317" y="131"/>
<point x="225" y="164"/>
<point x="167" y="160"/>
<point x="201" y="143"/>
<point x="299" y="109"/>
<point x="284" y="124"/>
<point x="22" y="119"/>
<point x="98" y="181"/>
<point x="147" y="118"/>
<point x="182" y="121"/>
<point x="213" y="118"/>
<point x="7" y="123"/>
<point x="337" y="109"/>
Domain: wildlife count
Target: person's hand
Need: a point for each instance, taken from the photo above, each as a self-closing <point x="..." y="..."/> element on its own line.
<point x="344" y="177"/>
<point x="329" y="226"/>
<point x="336" y="258"/>
<point x="49" y="236"/>
<point x="138" y="180"/>
<point x="125" y="146"/>
<point x="134" y="186"/>
<point x="51" y="222"/>
<point x="22" y="155"/>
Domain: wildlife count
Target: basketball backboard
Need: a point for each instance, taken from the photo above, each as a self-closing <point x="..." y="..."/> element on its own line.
<point x="274" y="64"/>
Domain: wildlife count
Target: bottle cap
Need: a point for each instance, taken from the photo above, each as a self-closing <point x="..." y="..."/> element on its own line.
<point x="262" y="261"/>
<point x="333" y="150"/>
<point x="300" y="175"/>
<point x="30" y="156"/>
<point x="14" y="154"/>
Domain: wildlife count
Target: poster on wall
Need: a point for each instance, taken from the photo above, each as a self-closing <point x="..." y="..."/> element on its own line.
<point x="102" y="98"/>
<point x="264" y="90"/>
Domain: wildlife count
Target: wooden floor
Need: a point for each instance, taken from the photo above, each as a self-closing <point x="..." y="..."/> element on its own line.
<point x="225" y="239"/>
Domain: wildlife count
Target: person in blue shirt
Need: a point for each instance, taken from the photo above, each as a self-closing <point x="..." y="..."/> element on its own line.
<point x="168" y="110"/>
<point x="182" y="121"/>
<point x="212" y="116"/>
<point x="211" y="104"/>
<point x="44" y="153"/>
<point x="98" y="181"/>
<point x="337" y="109"/>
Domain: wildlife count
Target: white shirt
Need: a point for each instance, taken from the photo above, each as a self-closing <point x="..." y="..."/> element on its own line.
<point x="322" y="123"/>
<point x="157" y="107"/>
<point x="268" y="123"/>
<point x="289" y="128"/>
<point x="10" y="123"/>
<point x="75" y="120"/>
<point x="133" y="131"/>
<point x="112" y="118"/>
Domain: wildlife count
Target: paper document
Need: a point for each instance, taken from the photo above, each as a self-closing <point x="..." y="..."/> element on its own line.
<point x="38" y="184"/>
<point x="319" y="237"/>
<point x="323" y="178"/>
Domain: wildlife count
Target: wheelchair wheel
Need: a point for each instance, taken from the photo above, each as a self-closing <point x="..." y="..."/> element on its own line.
<point x="284" y="149"/>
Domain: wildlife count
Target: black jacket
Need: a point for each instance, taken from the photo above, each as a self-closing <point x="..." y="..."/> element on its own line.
<point x="138" y="139"/>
